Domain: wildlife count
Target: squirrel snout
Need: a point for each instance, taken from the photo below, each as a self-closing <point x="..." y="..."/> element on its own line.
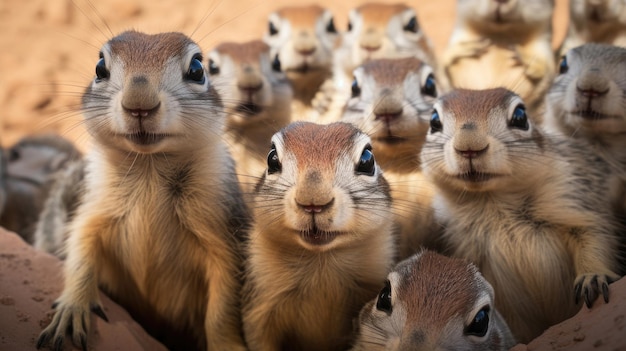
<point x="470" y="153"/>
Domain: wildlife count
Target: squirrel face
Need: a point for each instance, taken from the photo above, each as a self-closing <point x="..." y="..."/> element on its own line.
<point x="302" y="38"/>
<point x="151" y="106"/>
<point x="588" y="94"/>
<point x="479" y="140"/>
<point x="323" y="185"/>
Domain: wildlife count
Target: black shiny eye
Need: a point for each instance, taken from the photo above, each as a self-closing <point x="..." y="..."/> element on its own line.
<point x="330" y="28"/>
<point x="411" y="26"/>
<point x="430" y="87"/>
<point x="435" y="123"/>
<point x="366" y="165"/>
<point x="213" y="68"/>
<point x="273" y="163"/>
<point x="519" y="119"/>
<point x="101" y="70"/>
<point x="356" y="90"/>
<point x="196" y="70"/>
<point x="384" y="299"/>
<point x="563" y="67"/>
<point x="349" y="26"/>
<point x="272" y="29"/>
<point x="276" y="64"/>
<point x="480" y="324"/>
<point x="14" y="154"/>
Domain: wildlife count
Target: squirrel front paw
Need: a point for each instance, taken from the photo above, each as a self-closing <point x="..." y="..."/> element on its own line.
<point x="589" y="286"/>
<point x="467" y="49"/>
<point x="70" y="319"/>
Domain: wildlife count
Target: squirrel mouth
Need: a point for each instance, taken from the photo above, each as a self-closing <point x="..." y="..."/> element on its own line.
<point x="391" y="139"/>
<point x="590" y="114"/>
<point x="474" y="176"/>
<point x="145" y="138"/>
<point x="249" y="108"/>
<point x="317" y="237"/>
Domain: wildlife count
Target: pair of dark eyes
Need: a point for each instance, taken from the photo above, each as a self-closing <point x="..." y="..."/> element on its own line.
<point x="365" y="166"/>
<point x="410" y="26"/>
<point x="214" y="68"/>
<point x="429" y="88"/>
<point x="477" y="327"/>
<point x="195" y="71"/>
<point x="330" y="27"/>
<point x="519" y="120"/>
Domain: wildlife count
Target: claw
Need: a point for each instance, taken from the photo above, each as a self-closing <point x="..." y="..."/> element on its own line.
<point x="83" y="342"/>
<point x="605" y="291"/>
<point x="58" y="344"/>
<point x="577" y="290"/>
<point x="54" y="305"/>
<point x="97" y="309"/>
<point x="43" y="339"/>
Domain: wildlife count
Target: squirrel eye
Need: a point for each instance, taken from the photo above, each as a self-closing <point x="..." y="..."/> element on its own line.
<point x="330" y="28"/>
<point x="356" y="90"/>
<point x="480" y="324"/>
<point x="196" y="70"/>
<point x="213" y="68"/>
<point x="563" y="67"/>
<point x="519" y="119"/>
<point x="349" y="26"/>
<point x="411" y="26"/>
<point x="101" y="69"/>
<point x="276" y="64"/>
<point x="272" y="29"/>
<point x="367" y="165"/>
<point x="430" y="87"/>
<point x="435" y="123"/>
<point x="273" y="163"/>
<point x="384" y="299"/>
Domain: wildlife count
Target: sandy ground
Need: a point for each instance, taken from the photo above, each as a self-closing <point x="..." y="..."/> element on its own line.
<point x="49" y="48"/>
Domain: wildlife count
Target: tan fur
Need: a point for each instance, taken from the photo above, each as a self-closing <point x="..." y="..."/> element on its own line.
<point x="527" y="209"/>
<point x="321" y="243"/>
<point x="257" y="100"/>
<point x="586" y="103"/>
<point x="157" y="228"/>
<point x="304" y="44"/>
<point x="377" y="31"/>
<point x="595" y="21"/>
<point x="502" y="44"/>
<point x="392" y="109"/>
<point x="434" y="300"/>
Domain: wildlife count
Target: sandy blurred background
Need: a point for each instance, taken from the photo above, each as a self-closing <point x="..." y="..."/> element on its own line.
<point x="49" y="48"/>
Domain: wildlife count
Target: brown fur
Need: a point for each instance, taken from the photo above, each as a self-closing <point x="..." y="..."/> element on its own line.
<point x="434" y="299"/>
<point x="537" y="225"/>
<point x="502" y="44"/>
<point x="301" y="295"/>
<point x="393" y="87"/>
<point x="158" y="226"/>
<point x="247" y="81"/>
<point x="304" y="16"/>
<point x="306" y="53"/>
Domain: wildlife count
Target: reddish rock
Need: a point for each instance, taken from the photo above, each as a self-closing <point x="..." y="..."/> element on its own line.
<point x="603" y="327"/>
<point x="30" y="281"/>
